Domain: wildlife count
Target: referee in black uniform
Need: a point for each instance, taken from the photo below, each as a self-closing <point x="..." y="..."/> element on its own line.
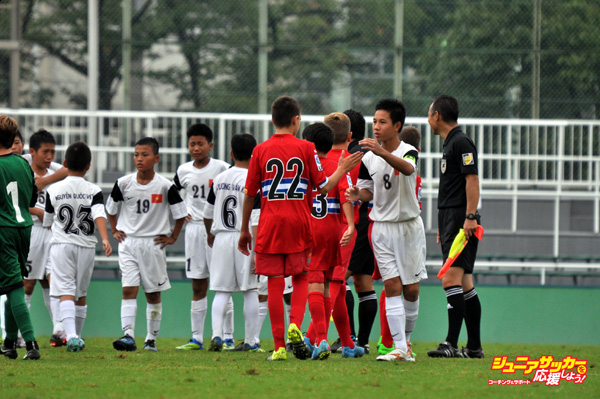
<point x="457" y="208"/>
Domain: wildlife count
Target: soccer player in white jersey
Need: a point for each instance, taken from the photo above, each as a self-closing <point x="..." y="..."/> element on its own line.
<point x="388" y="177"/>
<point x="138" y="211"/>
<point x="72" y="207"/>
<point x="231" y="271"/>
<point x="196" y="177"/>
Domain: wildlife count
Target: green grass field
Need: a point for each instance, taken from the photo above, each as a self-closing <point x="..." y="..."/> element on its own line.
<point x="101" y="372"/>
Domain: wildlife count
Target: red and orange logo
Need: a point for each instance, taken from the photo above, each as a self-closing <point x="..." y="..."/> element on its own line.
<point x="545" y="370"/>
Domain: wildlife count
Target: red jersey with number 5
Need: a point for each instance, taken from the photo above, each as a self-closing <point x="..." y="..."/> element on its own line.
<point x="283" y="171"/>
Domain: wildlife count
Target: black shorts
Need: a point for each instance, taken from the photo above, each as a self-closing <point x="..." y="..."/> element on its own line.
<point x="362" y="260"/>
<point x="450" y="221"/>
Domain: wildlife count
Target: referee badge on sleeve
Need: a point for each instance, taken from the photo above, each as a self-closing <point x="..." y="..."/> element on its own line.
<point x="468" y="159"/>
<point x="443" y="166"/>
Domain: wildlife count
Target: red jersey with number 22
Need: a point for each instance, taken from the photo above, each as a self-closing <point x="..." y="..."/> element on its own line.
<point x="283" y="171"/>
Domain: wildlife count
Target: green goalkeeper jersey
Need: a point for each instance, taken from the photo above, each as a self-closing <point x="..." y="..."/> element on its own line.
<point x="17" y="191"/>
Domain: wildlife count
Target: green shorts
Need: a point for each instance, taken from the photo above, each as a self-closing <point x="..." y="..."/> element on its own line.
<point x="14" y="247"/>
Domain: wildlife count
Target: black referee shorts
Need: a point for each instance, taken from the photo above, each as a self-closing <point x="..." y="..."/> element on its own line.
<point x="362" y="260"/>
<point x="450" y="221"/>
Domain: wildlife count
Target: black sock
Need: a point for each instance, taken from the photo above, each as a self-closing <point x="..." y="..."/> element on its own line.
<point x="473" y="319"/>
<point x="350" y="306"/>
<point x="456" y="313"/>
<point x="367" y="311"/>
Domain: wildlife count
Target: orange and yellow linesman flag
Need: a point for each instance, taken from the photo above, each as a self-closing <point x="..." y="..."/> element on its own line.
<point x="459" y="243"/>
<point x="157" y="198"/>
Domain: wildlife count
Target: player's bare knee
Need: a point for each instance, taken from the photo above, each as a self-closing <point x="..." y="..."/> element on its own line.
<point x="411" y="292"/>
<point x="363" y="283"/>
<point x="153" y="297"/>
<point x="393" y="287"/>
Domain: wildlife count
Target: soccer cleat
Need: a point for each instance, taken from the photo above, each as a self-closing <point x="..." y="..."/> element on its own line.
<point x="58" y="339"/>
<point x="289" y="347"/>
<point x="33" y="351"/>
<point x="279" y="354"/>
<point x="322" y="351"/>
<point x="228" y="344"/>
<point x="216" y="345"/>
<point x="469" y="353"/>
<point x="150" y="345"/>
<point x="192" y="345"/>
<point x="336" y="347"/>
<point x="357" y="351"/>
<point x="75" y="345"/>
<point x="410" y="351"/>
<point x="396" y="355"/>
<point x="299" y="347"/>
<point x="253" y="348"/>
<point x="125" y="343"/>
<point x="445" y="349"/>
<point x="309" y="346"/>
<point x="10" y="350"/>
<point x="366" y="347"/>
<point x="384" y="350"/>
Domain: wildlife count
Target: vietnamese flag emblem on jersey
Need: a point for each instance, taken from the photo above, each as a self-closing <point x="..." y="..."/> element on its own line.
<point x="210" y="181"/>
<point x="157" y="198"/>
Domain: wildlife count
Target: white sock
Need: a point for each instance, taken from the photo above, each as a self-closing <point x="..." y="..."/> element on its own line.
<point x="46" y="294"/>
<point x="229" y="320"/>
<point x="198" y="315"/>
<point x="153" y="318"/>
<point x="28" y="301"/>
<point x="2" y="327"/>
<point x="128" y="313"/>
<point x="80" y="315"/>
<point x="56" y="319"/>
<point x="250" y="316"/>
<point x="67" y="312"/>
<point x="394" y="308"/>
<point x="288" y="309"/>
<point x="411" y="310"/>
<point x="219" y="306"/>
<point x="263" y="309"/>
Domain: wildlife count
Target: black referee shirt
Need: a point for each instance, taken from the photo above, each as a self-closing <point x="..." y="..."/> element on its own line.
<point x="459" y="159"/>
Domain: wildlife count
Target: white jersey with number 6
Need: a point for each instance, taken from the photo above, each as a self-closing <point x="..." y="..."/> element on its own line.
<point x="226" y="197"/>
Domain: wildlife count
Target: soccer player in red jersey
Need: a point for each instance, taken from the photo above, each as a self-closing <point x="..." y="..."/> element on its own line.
<point x="283" y="171"/>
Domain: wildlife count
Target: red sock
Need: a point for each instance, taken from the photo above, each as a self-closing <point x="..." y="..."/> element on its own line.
<point x="386" y="335"/>
<point x="311" y="333"/>
<point x="276" y="285"/>
<point x="299" y="298"/>
<point x="317" y="312"/>
<point x="340" y="315"/>
<point x="328" y="308"/>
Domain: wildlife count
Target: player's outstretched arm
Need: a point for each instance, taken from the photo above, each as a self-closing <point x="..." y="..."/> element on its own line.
<point x="59" y="175"/>
<point x="117" y="234"/>
<point x="37" y="212"/>
<point x="245" y="241"/>
<point x="102" y="229"/>
<point x="395" y="162"/>
<point x="345" y="165"/>
<point x="356" y="193"/>
<point x="348" y="210"/>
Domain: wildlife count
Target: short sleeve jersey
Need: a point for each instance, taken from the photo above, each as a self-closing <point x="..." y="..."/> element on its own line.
<point x="335" y="155"/>
<point x="54" y="166"/>
<point x="459" y="159"/>
<point x="197" y="182"/>
<point x="394" y="194"/>
<point x="224" y="203"/>
<point x="144" y="208"/>
<point x="41" y="198"/>
<point x="72" y="206"/>
<point x="283" y="171"/>
<point x="327" y="209"/>
<point x="18" y="192"/>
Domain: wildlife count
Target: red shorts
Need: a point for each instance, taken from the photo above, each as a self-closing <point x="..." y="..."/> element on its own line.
<point x="282" y="264"/>
<point x="336" y="273"/>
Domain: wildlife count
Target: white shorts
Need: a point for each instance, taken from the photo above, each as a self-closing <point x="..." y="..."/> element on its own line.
<point x="140" y="260"/>
<point x="231" y="270"/>
<point x="197" y="251"/>
<point x="72" y="269"/>
<point x="263" y="286"/>
<point x="400" y="251"/>
<point x="39" y="249"/>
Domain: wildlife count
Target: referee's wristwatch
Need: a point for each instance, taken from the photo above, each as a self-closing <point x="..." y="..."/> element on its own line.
<point x="470" y="216"/>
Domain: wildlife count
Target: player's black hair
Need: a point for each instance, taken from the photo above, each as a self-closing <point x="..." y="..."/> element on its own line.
<point x="78" y="156"/>
<point x="18" y="135"/>
<point x="242" y="145"/>
<point x="410" y="135"/>
<point x="40" y="137"/>
<point x="357" y="124"/>
<point x="320" y="134"/>
<point x="395" y="108"/>
<point x="283" y="111"/>
<point x="149" y="141"/>
<point x="447" y="107"/>
<point x="8" y="130"/>
<point x="200" y="129"/>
